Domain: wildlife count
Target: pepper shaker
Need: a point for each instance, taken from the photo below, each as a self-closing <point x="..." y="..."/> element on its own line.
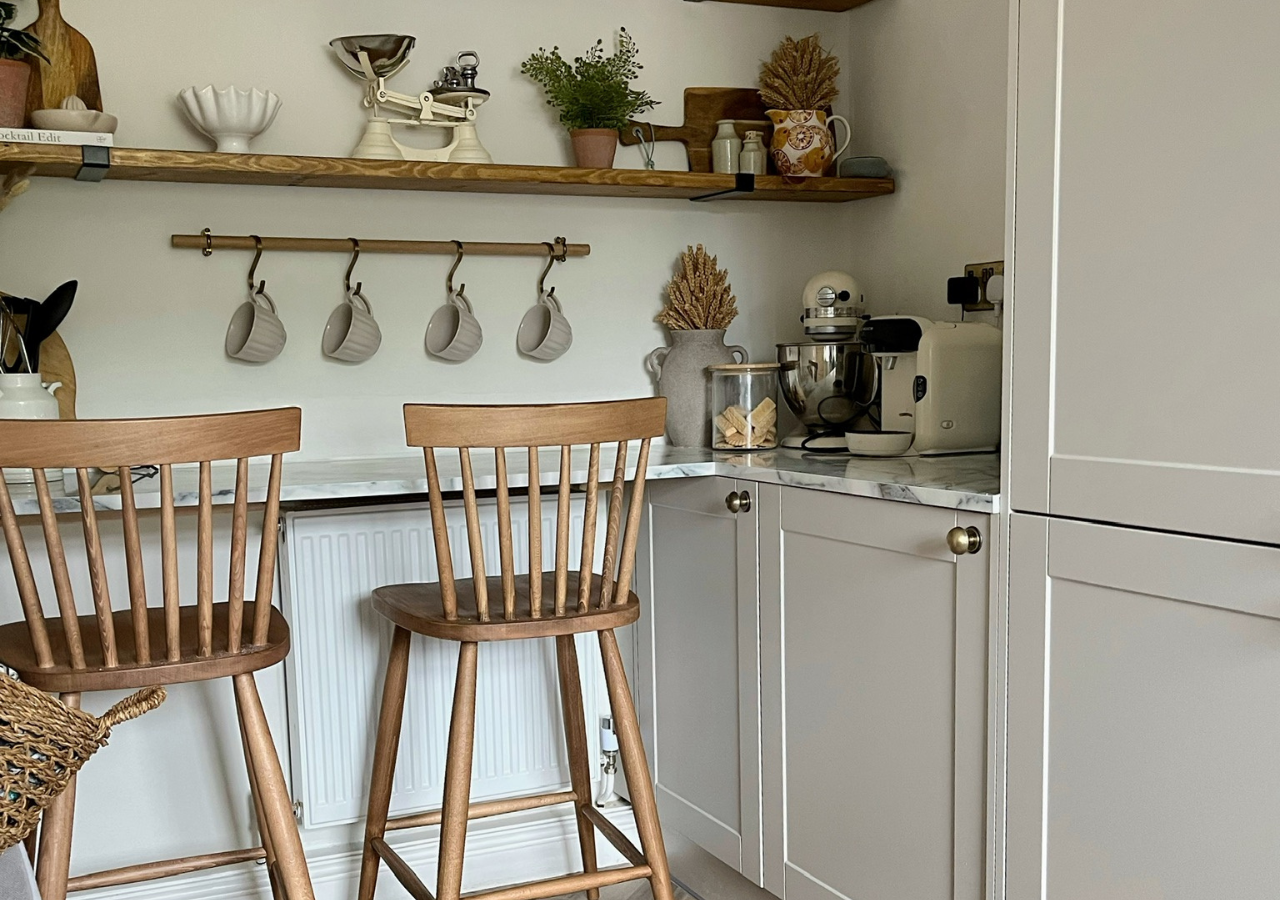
<point x="726" y="148"/>
<point x="752" y="158"/>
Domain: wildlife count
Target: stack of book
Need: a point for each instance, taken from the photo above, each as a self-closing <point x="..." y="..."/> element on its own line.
<point x="43" y="136"/>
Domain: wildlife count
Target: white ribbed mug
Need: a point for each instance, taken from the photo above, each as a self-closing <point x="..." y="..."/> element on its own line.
<point x="256" y="334"/>
<point x="544" y="331"/>
<point x="454" y="333"/>
<point x="352" y="334"/>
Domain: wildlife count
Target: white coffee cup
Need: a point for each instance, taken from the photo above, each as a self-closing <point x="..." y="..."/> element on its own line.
<point x="352" y="334"/>
<point x="454" y="333"/>
<point x="256" y="334"/>
<point x="544" y="331"/>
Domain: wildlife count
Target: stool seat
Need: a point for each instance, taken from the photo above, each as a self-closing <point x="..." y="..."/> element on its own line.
<point x="18" y="653"/>
<point x="420" y="608"/>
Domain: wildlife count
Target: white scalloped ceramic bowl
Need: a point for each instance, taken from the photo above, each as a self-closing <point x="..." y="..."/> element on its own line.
<point x="231" y="116"/>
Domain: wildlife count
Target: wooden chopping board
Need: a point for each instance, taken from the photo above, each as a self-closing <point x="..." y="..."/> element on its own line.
<point x="703" y="107"/>
<point x="72" y="70"/>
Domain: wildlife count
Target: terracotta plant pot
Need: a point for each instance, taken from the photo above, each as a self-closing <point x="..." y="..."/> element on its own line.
<point x="14" y="77"/>
<point x="594" y="148"/>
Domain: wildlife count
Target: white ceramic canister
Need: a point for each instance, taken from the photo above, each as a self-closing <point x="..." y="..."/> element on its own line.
<point x="26" y="397"/>
<point x="753" y="157"/>
<point x="725" y="148"/>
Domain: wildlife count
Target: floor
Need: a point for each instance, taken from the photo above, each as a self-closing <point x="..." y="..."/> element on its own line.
<point x="632" y="890"/>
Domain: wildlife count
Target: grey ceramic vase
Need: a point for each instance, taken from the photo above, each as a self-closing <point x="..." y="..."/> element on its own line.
<point x="681" y="370"/>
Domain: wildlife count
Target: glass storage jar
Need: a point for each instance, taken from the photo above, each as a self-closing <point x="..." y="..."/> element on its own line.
<point x="744" y="406"/>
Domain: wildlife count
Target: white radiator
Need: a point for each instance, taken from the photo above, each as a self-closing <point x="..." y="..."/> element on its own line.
<point x="332" y="562"/>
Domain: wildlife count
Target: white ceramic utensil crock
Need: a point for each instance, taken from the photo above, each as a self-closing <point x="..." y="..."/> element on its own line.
<point x="352" y="334"/>
<point x="544" y="331"/>
<point x="454" y="333"/>
<point x="256" y="334"/>
<point x="26" y="397"/>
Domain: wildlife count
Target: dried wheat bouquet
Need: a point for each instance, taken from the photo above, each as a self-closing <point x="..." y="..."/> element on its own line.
<point x="800" y="75"/>
<point x="700" y="296"/>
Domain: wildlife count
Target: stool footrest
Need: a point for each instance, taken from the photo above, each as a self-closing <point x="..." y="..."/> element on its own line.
<point x="485" y="810"/>
<point x="569" y="884"/>
<point x="163" y="869"/>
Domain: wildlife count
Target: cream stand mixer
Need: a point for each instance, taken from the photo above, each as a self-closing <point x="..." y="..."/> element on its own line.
<point x="376" y="57"/>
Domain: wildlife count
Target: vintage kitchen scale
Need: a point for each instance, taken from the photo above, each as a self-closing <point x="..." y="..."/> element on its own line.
<point x="451" y="106"/>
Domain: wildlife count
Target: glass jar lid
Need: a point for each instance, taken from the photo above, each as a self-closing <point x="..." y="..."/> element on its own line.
<point x="745" y="368"/>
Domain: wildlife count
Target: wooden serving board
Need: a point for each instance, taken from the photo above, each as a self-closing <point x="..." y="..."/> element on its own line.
<point x="72" y="70"/>
<point x="703" y="108"/>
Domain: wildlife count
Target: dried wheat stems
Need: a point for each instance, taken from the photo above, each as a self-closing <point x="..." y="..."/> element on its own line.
<point x="700" y="296"/>
<point x="800" y="75"/>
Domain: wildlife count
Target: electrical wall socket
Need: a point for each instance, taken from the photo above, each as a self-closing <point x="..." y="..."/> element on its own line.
<point x="984" y="272"/>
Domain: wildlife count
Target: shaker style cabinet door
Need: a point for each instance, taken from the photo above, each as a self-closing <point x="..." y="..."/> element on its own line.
<point x="698" y="665"/>
<point x="1143" y="715"/>
<point x="1145" y="281"/>
<point x="875" y="701"/>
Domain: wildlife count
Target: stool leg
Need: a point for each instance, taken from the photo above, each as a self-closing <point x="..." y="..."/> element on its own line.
<point x="277" y="806"/>
<point x="53" y="866"/>
<point x="575" y="735"/>
<point x="384" y="758"/>
<point x="636" y="767"/>
<point x="264" y="831"/>
<point x="457" y="777"/>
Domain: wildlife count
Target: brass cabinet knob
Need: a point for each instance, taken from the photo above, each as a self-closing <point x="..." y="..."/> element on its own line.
<point x="738" y="502"/>
<point x="964" y="540"/>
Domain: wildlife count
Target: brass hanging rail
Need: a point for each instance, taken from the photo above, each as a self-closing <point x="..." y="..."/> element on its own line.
<point x="208" y="242"/>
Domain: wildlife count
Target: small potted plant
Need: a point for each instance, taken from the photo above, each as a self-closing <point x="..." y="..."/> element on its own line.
<point x="798" y="86"/>
<point x="593" y="95"/>
<point x="16" y="46"/>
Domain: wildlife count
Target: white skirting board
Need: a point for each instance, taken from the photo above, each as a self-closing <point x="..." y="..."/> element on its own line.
<point x="532" y="846"/>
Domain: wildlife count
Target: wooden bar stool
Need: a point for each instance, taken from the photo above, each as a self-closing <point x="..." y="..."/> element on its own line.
<point x="171" y="644"/>
<point x="555" y="604"/>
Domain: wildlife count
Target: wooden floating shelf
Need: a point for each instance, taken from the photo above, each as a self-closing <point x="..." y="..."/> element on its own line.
<point x="824" y="5"/>
<point x="188" y="167"/>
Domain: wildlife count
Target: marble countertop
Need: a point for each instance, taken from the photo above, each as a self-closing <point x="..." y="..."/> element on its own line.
<point x="957" y="482"/>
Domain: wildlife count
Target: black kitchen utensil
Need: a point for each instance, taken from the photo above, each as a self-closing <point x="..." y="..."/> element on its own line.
<point x="44" y="318"/>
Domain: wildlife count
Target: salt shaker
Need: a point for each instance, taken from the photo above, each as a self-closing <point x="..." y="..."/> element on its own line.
<point x="752" y="158"/>
<point x="725" y="148"/>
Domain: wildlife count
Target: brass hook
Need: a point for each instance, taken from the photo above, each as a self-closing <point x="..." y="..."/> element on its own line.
<point x="253" y="269"/>
<point x="551" y="261"/>
<point x="208" y="242"/>
<point x="355" y="258"/>
<point x="456" y="262"/>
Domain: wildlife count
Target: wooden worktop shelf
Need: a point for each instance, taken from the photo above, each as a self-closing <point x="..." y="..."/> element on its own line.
<point x="187" y="167"/>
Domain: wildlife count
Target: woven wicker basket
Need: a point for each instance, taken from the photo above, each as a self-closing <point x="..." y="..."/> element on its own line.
<point x="43" y="743"/>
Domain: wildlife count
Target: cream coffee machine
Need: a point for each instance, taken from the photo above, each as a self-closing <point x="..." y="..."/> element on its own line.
<point x="939" y="388"/>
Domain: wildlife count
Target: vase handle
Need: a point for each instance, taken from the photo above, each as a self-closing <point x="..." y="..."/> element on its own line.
<point x="848" y="134"/>
<point x="653" y="362"/>
<point x="740" y="352"/>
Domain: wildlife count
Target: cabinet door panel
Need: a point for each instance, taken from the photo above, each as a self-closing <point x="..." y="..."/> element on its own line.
<point x="878" y="702"/>
<point x="699" y="666"/>
<point x="1147" y="767"/>
<point x="1137" y="398"/>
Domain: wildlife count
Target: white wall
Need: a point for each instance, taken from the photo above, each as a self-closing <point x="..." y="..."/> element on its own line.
<point x="148" y="328"/>
<point x="929" y="89"/>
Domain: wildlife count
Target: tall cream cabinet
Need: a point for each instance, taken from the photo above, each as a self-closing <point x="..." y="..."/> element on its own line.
<point x="814" y="674"/>
<point x="1143" y="588"/>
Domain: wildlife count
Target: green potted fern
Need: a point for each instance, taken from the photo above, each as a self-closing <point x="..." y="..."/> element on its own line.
<point x="593" y="95"/>
<point x="16" y="46"/>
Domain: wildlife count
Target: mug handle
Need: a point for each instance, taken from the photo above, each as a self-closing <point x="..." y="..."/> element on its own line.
<point x="355" y="295"/>
<point x="457" y="298"/>
<point x="653" y="362"/>
<point x="848" y="133"/>
<point x="260" y="295"/>
<point x="740" y="351"/>
<point x="550" y="299"/>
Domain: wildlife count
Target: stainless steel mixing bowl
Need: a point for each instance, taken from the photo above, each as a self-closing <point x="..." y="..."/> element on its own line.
<point x="825" y="384"/>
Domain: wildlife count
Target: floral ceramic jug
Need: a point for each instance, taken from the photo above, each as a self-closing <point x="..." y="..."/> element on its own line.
<point x="802" y="143"/>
